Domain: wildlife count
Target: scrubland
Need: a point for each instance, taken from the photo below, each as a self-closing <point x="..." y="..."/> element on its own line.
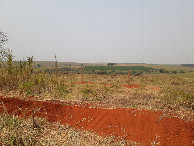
<point x="169" y="93"/>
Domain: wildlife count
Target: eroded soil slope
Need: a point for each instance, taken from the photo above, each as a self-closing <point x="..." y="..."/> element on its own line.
<point x="141" y="126"/>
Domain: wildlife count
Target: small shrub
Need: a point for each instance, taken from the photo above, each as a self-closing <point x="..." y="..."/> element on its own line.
<point x="26" y="87"/>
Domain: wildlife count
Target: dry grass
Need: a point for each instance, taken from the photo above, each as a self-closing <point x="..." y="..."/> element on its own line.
<point x="166" y="92"/>
<point x="157" y="92"/>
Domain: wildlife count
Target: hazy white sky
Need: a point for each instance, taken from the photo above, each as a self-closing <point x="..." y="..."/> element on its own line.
<point x="156" y="31"/>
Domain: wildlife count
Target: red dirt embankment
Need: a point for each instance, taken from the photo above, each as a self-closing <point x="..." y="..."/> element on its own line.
<point x="137" y="125"/>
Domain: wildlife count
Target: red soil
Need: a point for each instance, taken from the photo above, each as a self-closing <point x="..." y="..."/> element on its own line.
<point x="131" y="124"/>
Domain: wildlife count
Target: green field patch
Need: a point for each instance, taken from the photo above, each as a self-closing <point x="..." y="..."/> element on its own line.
<point x="118" y="68"/>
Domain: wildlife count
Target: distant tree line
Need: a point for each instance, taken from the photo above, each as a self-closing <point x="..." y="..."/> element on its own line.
<point x="111" y="64"/>
<point x="162" y="70"/>
<point x="188" y="65"/>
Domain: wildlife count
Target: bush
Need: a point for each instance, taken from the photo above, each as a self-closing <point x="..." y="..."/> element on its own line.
<point x="162" y="70"/>
<point x="174" y="72"/>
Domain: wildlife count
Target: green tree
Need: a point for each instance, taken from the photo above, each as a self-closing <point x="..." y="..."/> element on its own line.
<point x="174" y="72"/>
<point x="111" y="64"/>
<point x="162" y="70"/>
<point x="38" y="65"/>
<point x="182" y="71"/>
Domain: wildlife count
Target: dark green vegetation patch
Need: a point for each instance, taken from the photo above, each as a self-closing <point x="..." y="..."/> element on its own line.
<point x="134" y="70"/>
<point x="114" y="68"/>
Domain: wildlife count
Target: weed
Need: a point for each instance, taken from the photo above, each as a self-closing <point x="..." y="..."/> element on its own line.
<point x="9" y="62"/>
<point x="173" y="96"/>
<point x="62" y="90"/>
<point x="26" y="87"/>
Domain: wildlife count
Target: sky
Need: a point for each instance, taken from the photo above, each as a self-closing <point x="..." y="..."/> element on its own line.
<point x="121" y="31"/>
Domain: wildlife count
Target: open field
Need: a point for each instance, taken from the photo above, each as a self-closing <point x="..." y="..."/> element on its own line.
<point x="159" y="66"/>
<point x="97" y="73"/>
<point x="113" y="68"/>
<point x="118" y="69"/>
<point x="117" y="109"/>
